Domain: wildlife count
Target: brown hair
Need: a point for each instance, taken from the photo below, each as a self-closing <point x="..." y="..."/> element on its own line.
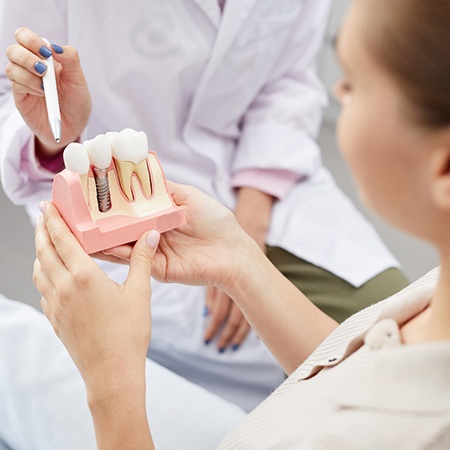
<point x="411" y="39"/>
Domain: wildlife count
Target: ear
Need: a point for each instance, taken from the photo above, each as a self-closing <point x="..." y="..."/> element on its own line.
<point x="440" y="171"/>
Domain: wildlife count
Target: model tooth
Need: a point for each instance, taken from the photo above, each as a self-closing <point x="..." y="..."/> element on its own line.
<point x="99" y="151"/>
<point x="76" y="159"/>
<point x="130" y="151"/>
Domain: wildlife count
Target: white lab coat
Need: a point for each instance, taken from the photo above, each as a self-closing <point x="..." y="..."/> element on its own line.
<point x="216" y="95"/>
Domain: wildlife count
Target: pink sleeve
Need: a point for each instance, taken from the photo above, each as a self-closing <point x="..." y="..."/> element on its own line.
<point x="274" y="182"/>
<point x="54" y="164"/>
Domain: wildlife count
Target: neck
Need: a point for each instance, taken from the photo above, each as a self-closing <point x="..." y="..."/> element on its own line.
<point x="433" y="324"/>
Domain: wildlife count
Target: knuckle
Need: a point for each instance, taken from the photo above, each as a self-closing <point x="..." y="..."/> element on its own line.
<point x="10" y="50"/>
<point x="73" y="52"/>
<point x="234" y="321"/>
<point x="57" y="236"/>
<point x="9" y="69"/>
<point x="39" y="251"/>
<point x="80" y="277"/>
<point x="19" y="32"/>
<point x="44" y="305"/>
<point x="63" y="291"/>
<point x="36" y="277"/>
<point x="25" y="36"/>
<point x="216" y="321"/>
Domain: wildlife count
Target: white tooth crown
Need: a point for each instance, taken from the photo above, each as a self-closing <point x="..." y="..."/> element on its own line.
<point x="99" y="151"/>
<point x="76" y="158"/>
<point x="129" y="145"/>
<point x="130" y="151"/>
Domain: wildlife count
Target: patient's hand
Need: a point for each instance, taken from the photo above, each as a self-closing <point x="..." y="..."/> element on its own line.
<point x="105" y="326"/>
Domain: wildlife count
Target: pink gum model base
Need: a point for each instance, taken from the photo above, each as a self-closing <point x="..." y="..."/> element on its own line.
<point x="69" y="199"/>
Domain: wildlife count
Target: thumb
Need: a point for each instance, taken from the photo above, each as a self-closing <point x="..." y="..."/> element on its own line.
<point x="141" y="260"/>
<point x="69" y="58"/>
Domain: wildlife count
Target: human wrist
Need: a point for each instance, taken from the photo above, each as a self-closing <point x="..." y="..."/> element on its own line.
<point x="120" y="417"/>
<point x="246" y="257"/>
<point x="103" y="390"/>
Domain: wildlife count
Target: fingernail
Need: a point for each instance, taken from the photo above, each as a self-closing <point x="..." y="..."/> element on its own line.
<point x="235" y="347"/>
<point x="57" y="48"/>
<point x="42" y="206"/>
<point x="40" y="67"/>
<point x="205" y="311"/>
<point x="153" y="239"/>
<point x="207" y="341"/>
<point x="221" y="349"/>
<point x="38" y="219"/>
<point x="45" y="52"/>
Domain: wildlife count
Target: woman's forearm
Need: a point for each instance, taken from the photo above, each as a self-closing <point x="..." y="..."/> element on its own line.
<point x="289" y="324"/>
<point x="120" y="418"/>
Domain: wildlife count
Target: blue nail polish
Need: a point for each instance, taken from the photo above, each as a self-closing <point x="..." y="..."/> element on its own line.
<point x="57" y="48"/>
<point x="221" y="349"/>
<point x="40" y="67"/>
<point x="205" y="311"/>
<point x="235" y="347"/>
<point x="45" y="52"/>
<point x="207" y="341"/>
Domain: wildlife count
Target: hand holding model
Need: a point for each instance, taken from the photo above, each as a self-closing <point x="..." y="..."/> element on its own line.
<point x="25" y="71"/>
<point x="119" y="319"/>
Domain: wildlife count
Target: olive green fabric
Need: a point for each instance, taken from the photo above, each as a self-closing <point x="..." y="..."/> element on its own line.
<point x="333" y="295"/>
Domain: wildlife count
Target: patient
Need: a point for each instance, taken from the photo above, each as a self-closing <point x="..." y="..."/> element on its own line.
<point x="379" y="380"/>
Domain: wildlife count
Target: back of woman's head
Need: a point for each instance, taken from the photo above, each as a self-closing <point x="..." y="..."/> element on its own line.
<point x="411" y="39"/>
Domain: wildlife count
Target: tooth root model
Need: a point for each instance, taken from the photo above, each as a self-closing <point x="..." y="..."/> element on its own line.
<point x="130" y="150"/>
<point x="99" y="151"/>
<point x="76" y="159"/>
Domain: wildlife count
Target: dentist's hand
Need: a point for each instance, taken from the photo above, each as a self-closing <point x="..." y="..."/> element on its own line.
<point x="26" y="67"/>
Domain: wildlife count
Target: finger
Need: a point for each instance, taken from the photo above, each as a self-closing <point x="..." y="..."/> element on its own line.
<point x="141" y="260"/>
<point x="28" y="60"/>
<point x="32" y="42"/>
<point x="66" y="245"/>
<point x="22" y="79"/>
<point x="240" y="334"/>
<point x="20" y="91"/>
<point x="45" y="288"/>
<point x="234" y="319"/>
<point x="209" y="300"/>
<point x="218" y="314"/>
<point x="121" y="253"/>
<point x="50" y="264"/>
<point x="69" y="57"/>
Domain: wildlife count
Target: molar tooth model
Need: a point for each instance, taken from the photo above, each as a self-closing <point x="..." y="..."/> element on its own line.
<point x="113" y="190"/>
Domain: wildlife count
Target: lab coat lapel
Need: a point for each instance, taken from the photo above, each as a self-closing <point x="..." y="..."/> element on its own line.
<point x="234" y="16"/>
<point x="211" y="9"/>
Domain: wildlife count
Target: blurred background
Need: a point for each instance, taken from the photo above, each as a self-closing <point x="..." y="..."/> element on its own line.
<point x="17" y="235"/>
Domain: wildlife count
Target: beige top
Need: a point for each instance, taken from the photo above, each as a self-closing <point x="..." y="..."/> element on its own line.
<point x="361" y="389"/>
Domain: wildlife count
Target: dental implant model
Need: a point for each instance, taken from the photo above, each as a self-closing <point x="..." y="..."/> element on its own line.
<point x="99" y="151"/>
<point x="113" y="190"/>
